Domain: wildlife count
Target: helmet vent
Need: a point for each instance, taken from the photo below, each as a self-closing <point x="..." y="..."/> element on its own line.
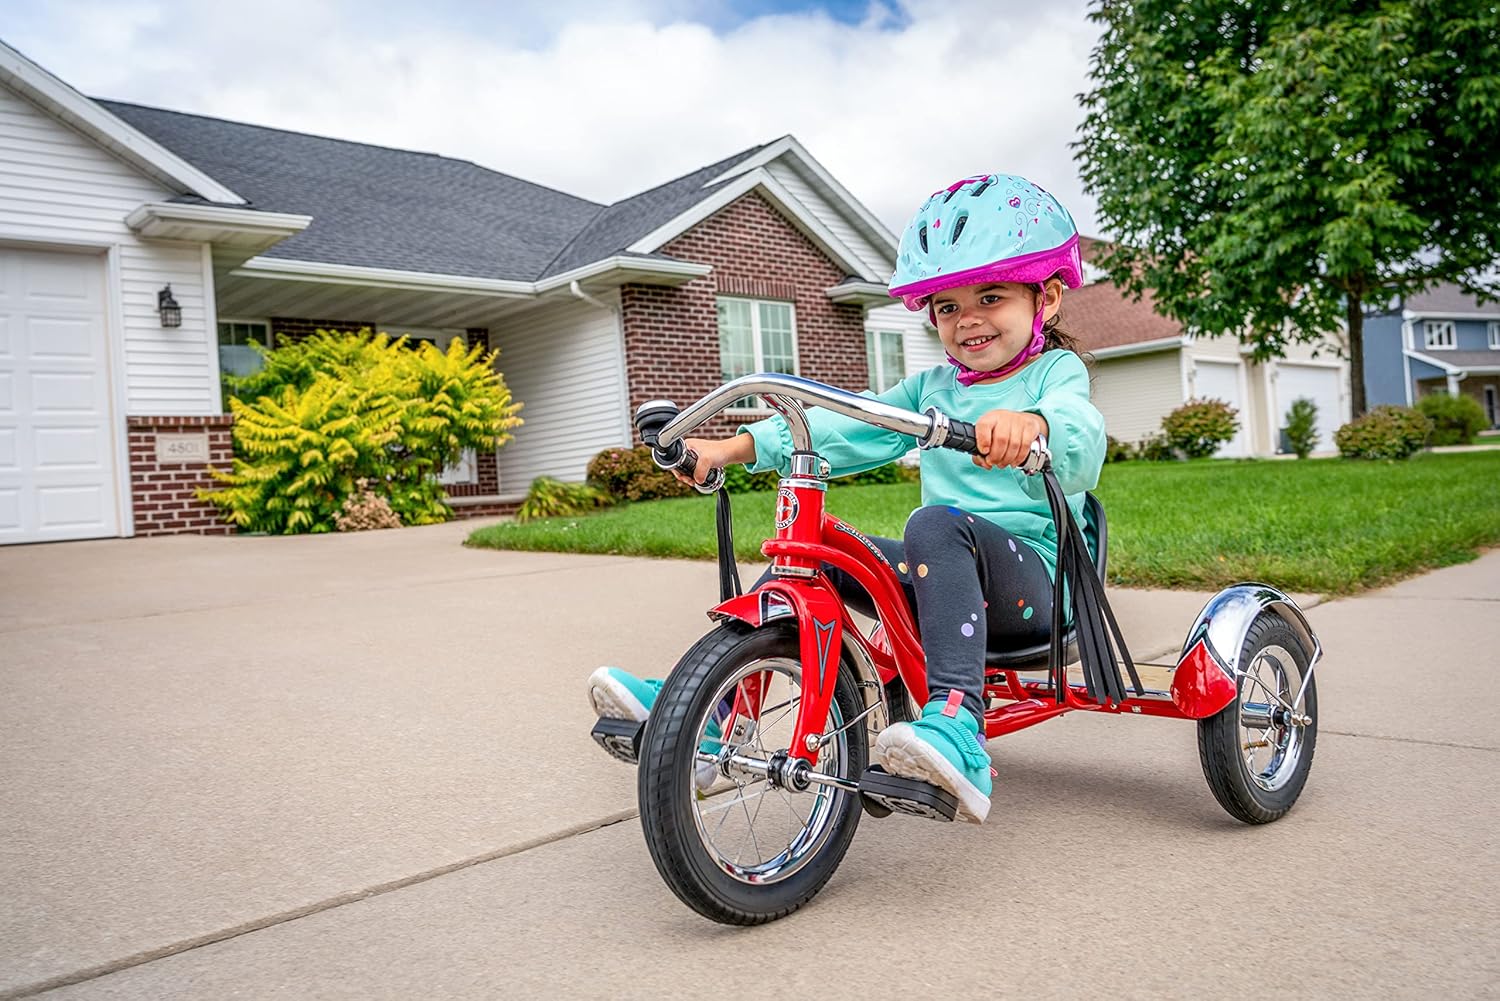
<point x="922" y="238"/>
<point x="958" y="228"/>
<point x="949" y="196"/>
<point x="980" y="190"/>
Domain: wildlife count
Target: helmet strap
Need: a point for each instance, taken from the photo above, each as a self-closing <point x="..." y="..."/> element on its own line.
<point x="968" y="376"/>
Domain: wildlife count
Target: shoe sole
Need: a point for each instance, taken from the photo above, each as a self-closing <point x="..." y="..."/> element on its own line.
<point x="613" y="700"/>
<point x="904" y="753"/>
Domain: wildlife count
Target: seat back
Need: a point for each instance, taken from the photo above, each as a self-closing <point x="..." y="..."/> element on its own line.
<point x="1096" y="536"/>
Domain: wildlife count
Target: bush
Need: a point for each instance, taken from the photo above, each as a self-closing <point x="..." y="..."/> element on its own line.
<point x="1155" y="448"/>
<point x="365" y="510"/>
<point x="1116" y="450"/>
<point x="550" y="498"/>
<point x="628" y="474"/>
<point x="1302" y="426"/>
<point x="334" y="410"/>
<point x="739" y="480"/>
<point x="1383" y="433"/>
<point x="1456" y="420"/>
<point x="1199" y="427"/>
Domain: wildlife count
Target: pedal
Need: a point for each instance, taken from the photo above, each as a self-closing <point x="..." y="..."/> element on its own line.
<point x="882" y="794"/>
<point x="621" y="738"/>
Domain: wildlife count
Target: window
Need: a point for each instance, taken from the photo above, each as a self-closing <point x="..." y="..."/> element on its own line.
<point x="1437" y="334"/>
<point x="236" y="356"/>
<point x="755" y="336"/>
<point x="1495" y="335"/>
<point x="886" y="357"/>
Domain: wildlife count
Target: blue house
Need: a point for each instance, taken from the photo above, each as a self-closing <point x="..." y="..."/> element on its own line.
<point x="1441" y="341"/>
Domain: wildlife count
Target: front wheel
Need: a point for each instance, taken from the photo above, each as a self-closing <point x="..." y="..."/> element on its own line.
<point x="1257" y="751"/>
<point x="739" y="848"/>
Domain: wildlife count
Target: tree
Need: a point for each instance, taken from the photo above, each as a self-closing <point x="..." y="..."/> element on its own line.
<point x="1270" y="169"/>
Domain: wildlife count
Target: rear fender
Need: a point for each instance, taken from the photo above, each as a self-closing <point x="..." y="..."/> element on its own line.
<point x="1207" y="675"/>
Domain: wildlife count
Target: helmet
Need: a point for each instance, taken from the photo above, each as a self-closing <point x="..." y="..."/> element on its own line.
<point x="987" y="228"/>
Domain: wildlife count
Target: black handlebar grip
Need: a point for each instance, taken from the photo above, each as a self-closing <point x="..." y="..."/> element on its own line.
<point x="961" y="437"/>
<point x="689" y="463"/>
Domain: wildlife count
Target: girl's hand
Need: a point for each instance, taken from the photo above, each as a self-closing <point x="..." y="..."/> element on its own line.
<point x="716" y="455"/>
<point x="1005" y="436"/>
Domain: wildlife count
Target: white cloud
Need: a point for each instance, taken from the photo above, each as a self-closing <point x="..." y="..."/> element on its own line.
<point x="606" y="99"/>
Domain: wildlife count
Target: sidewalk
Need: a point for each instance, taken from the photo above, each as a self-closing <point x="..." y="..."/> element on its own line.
<point x="358" y="766"/>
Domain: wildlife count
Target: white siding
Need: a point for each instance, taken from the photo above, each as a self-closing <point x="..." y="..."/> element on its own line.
<point x="919" y="341"/>
<point x="56" y="187"/>
<point x="881" y="262"/>
<point x="1135" y="392"/>
<point x="562" y="360"/>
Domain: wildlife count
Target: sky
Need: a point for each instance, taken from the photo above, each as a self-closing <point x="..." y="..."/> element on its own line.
<point x="606" y="98"/>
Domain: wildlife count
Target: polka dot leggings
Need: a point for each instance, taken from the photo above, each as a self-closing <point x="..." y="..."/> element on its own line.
<point x="973" y="585"/>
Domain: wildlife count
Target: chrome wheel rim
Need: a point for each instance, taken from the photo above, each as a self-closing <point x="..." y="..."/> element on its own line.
<point x="753" y="831"/>
<point x="1271" y="742"/>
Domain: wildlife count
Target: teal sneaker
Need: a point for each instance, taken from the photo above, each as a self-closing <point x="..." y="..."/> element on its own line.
<point x="941" y="748"/>
<point x="617" y="694"/>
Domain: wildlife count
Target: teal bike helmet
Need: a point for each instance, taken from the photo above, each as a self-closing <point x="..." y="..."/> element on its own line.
<point x="987" y="228"/>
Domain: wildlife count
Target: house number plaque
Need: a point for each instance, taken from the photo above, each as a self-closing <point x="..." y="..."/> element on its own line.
<point x="182" y="448"/>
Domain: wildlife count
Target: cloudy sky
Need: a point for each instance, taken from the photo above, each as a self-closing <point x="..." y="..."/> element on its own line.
<point x="604" y="98"/>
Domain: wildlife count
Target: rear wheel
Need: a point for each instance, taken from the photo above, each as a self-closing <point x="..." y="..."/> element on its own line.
<point x="745" y="850"/>
<point x="1257" y="751"/>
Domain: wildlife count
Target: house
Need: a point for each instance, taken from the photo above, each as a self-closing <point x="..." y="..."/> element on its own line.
<point x="142" y="250"/>
<point x="1439" y="341"/>
<point x="1145" y="365"/>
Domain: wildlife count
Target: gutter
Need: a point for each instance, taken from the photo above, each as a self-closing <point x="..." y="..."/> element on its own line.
<point x="1144" y="347"/>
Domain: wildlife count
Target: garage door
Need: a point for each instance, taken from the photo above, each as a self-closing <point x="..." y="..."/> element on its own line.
<point x="1221" y="381"/>
<point x="57" y="471"/>
<point x="1316" y="383"/>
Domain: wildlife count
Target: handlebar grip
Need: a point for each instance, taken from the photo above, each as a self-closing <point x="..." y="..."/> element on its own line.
<point x="689" y="463"/>
<point x="961" y="437"/>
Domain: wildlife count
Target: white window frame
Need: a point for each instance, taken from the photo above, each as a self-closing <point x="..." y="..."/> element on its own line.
<point x="270" y="334"/>
<point x="1432" y="335"/>
<point x="878" y="382"/>
<point x="757" y="346"/>
<point x="1495" y="335"/>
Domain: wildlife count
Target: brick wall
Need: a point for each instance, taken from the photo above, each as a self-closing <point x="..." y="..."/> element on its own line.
<point x="164" y="495"/>
<point x="672" y="336"/>
<point x="487" y="467"/>
<point x="295" y="328"/>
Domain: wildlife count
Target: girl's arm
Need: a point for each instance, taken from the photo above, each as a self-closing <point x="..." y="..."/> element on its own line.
<point x="849" y="445"/>
<point x="1075" y="428"/>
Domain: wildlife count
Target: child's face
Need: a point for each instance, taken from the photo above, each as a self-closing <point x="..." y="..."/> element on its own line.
<point x="985" y="326"/>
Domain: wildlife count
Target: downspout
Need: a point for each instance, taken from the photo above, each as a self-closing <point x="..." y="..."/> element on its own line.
<point x="627" y="429"/>
<point x="1407" y="342"/>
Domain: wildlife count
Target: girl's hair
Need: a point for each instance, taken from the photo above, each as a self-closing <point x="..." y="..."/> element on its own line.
<point x="1057" y="339"/>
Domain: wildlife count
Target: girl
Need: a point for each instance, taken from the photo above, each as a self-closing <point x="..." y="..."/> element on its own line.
<point x="987" y="257"/>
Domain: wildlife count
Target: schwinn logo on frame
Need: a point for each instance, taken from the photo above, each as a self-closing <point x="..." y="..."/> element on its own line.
<point x="848" y="530"/>
<point x="786" y="508"/>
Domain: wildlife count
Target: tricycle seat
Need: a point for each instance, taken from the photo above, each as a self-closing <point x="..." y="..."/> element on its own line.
<point x="1028" y="658"/>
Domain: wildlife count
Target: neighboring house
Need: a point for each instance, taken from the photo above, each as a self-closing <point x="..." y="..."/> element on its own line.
<point x="1440" y="341"/>
<point x="110" y="414"/>
<point x="1146" y="365"/>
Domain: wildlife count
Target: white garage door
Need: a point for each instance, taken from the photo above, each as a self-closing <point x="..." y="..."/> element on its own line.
<point x="1221" y="381"/>
<point x="57" y="470"/>
<point x="1316" y="383"/>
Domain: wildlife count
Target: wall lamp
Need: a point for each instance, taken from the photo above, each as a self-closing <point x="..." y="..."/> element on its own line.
<point x="171" y="312"/>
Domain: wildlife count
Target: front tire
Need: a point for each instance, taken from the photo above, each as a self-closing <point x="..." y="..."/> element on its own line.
<point x="1256" y="766"/>
<point x="746" y="852"/>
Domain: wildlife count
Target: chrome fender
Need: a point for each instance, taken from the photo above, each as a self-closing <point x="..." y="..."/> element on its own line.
<point x="1207" y="675"/>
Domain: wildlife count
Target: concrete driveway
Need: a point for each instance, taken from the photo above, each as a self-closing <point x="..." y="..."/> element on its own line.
<point x="358" y="766"/>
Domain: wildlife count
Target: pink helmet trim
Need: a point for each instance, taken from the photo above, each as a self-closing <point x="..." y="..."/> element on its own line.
<point x="1063" y="261"/>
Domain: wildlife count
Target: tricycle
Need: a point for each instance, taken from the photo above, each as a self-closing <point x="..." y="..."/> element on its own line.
<point x="753" y="767"/>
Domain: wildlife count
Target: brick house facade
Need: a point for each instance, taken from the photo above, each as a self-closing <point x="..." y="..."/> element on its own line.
<point x="671" y="334"/>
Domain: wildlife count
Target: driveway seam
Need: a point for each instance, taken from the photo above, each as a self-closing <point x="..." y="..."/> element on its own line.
<point x="1410" y="740"/>
<point x="340" y="900"/>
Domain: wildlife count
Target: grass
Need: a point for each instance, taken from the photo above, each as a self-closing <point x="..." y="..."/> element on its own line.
<point x="1329" y="526"/>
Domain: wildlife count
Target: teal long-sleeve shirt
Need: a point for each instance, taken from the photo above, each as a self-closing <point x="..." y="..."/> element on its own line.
<point x="1056" y="386"/>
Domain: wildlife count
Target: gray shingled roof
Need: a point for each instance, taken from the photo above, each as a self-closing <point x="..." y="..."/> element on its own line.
<point x="1461" y="359"/>
<point x="624" y="222"/>
<point x="1448" y="299"/>
<point x="389" y="208"/>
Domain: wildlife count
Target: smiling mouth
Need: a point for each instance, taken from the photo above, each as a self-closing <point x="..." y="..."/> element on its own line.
<point x="976" y="343"/>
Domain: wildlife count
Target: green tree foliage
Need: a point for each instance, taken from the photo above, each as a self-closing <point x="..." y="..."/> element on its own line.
<point x="1269" y="169"/>
<point x="1302" y="426"/>
<point x="1199" y="427"/>
<point x="337" y="414"/>
<point x="1456" y="420"/>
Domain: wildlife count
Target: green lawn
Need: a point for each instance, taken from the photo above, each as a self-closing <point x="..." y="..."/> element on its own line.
<point x="1330" y="526"/>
